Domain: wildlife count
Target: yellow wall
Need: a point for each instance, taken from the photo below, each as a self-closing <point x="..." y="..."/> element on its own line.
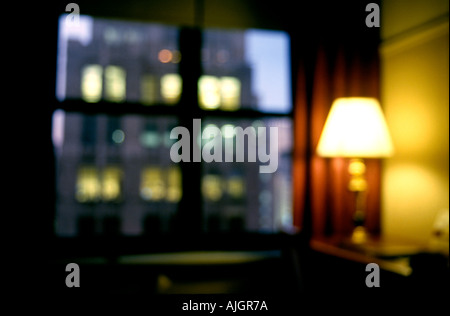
<point x="415" y="97"/>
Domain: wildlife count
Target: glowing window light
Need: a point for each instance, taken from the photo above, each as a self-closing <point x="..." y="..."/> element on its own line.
<point x="152" y="187"/>
<point x="212" y="188"/>
<point x="91" y="83"/>
<point x="150" y="139"/>
<point x="148" y="89"/>
<point x="171" y="86"/>
<point x="174" y="189"/>
<point x="230" y="89"/>
<point x="235" y="187"/>
<point x="209" y="92"/>
<point x="115" y="84"/>
<point x="88" y="187"/>
<point x="111" y="184"/>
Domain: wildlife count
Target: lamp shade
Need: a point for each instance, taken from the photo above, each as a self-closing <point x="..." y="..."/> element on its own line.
<point x="355" y="127"/>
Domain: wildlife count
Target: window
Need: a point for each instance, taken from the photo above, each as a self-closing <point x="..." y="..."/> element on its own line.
<point x="121" y="89"/>
<point x="171" y="88"/>
<point x="88" y="186"/>
<point x="246" y="69"/>
<point x="236" y="189"/>
<point x="117" y="61"/>
<point x="159" y="184"/>
<point x="91" y="83"/>
<point x="115" y="83"/>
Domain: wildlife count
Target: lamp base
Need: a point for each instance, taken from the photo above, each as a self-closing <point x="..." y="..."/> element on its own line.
<point x="359" y="235"/>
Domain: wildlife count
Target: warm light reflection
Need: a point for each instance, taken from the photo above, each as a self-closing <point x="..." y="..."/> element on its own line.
<point x="412" y="186"/>
<point x="88" y="187"/>
<point x="115" y="84"/>
<point x="91" y="83"/>
<point x="212" y="188"/>
<point x="171" y="86"/>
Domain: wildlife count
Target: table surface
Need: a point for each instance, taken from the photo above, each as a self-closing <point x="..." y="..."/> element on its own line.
<point x="390" y="255"/>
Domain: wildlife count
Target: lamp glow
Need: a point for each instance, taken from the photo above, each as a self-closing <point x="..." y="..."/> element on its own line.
<point x="355" y="127"/>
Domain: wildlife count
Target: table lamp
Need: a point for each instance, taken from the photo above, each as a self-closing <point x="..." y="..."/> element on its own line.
<point x="356" y="128"/>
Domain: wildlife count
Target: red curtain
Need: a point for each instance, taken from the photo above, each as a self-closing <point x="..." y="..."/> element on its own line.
<point x="332" y="62"/>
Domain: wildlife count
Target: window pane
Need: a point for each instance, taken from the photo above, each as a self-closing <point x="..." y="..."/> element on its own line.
<point x="223" y="93"/>
<point x="114" y="169"/>
<point x="236" y="195"/>
<point x="112" y="184"/>
<point x="88" y="185"/>
<point x="171" y="88"/>
<point x="91" y="83"/>
<point x="246" y="69"/>
<point x="115" y="83"/>
<point x="117" y="61"/>
<point x="152" y="184"/>
<point x="209" y="92"/>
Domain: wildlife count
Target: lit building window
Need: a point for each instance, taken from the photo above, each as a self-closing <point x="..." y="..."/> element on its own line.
<point x="235" y="187"/>
<point x="111" y="184"/>
<point x="230" y="88"/>
<point x="88" y="187"/>
<point x="152" y="186"/>
<point x="174" y="189"/>
<point x="223" y="93"/>
<point x="148" y="89"/>
<point x="171" y="88"/>
<point x="91" y="83"/>
<point x="212" y="188"/>
<point x="209" y="92"/>
<point x="115" y="84"/>
<point x="150" y="137"/>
